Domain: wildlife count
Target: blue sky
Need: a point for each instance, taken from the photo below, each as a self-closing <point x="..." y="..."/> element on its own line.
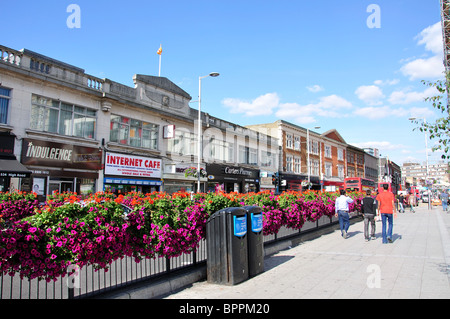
<point x="313" y="63"/>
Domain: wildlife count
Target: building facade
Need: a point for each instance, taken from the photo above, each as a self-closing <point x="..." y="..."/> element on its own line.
<point x="69" y="131"/>
<point x="308" y="160"/>
<point x="415" y="174"/>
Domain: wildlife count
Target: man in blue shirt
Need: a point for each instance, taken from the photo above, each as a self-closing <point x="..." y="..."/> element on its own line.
<point x="341" y="209"/>
<point x="444" y="200"/>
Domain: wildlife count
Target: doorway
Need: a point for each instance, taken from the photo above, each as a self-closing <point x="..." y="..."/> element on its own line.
<point x="60" y="186"/>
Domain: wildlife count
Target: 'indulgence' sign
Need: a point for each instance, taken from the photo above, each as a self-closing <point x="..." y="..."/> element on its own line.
<point x="44" y="153"/>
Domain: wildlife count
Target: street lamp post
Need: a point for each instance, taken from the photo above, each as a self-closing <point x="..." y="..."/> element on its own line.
<point x="426" y="151"/>
<point x="199" y="138"/>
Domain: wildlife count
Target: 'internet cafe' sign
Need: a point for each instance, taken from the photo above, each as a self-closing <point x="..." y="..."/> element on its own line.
<point x="44" y="153"/>
<point x="132" y="166"/>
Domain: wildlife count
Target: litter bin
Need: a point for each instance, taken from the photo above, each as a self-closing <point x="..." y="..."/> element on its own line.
<point x="255" y="240"/>
<point x="226" y="240"/>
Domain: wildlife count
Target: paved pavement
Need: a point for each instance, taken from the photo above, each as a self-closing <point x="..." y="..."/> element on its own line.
<point x="416" y="265"/>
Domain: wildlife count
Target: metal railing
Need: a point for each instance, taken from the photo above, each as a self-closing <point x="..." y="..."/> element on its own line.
<point x="124" y="272"/>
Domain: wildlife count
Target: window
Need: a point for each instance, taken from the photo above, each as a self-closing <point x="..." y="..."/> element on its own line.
<point x="350" y="158"/>
<point x="54" y="116"/>
<point x="5" y="95"/>
<point x="288" y="140"/>
<point x="220" y="150"/>
<point x="248" y="155"/>
<point x="328" y="169"/>
<point x="340" y="155"/>
<point x="314" y="147"/>
<point x="340" y="171"/>
<point x="289" y="164"/>
<point x="268" y="159"/>
<point x="328" y="151"/>
<point x="132" y="132"/>
<point x="297" y="143"/>
<point x="316" y="167"/>
<point x="297" y="165"/>
<point x="183" y="143"/>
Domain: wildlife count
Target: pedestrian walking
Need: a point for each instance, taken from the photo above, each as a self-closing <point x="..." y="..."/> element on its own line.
<point x="401" y="200"/>
<point x="411" y="202"/>
<point x="444" y="200"/>
<point x="369" y="206"/>
<point x="386" y="208"/>
<point x="341" y="211"/>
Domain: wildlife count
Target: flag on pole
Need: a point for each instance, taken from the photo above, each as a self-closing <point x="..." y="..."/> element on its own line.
<point x="159" y="52"/>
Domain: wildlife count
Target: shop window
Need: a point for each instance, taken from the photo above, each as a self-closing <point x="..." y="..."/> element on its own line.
<point x="54" y="116"/>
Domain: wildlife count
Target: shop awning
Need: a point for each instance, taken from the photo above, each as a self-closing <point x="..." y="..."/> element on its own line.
<point x="12" y="168"/>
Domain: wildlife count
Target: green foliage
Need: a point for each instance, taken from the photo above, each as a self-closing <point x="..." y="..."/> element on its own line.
<point x="440" y="129"/>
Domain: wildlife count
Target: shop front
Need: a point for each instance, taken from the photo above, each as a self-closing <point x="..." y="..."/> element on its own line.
<point x="295" y="182"/>
<point x="229" y="179"/>
<point x="126" y="173"/>
<point x="11" y="171"/>
<point x="182" y="177"/>
<point x="58" y="167"/>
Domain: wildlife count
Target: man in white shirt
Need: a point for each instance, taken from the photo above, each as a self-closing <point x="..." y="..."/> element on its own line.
<point x="341" y="209"/>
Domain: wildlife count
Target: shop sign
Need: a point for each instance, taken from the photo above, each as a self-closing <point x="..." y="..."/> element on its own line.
<point x="7" y="145"/>
<point x="133" y="166"/>
<point x="232" y="171"/>
<point x="45" y="153"/>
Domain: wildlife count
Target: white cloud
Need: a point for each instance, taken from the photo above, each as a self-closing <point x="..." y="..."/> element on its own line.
<point x="370" y="94"/>
<point x="328" y="106"/>
<point x="262" y="105"/>
<point x="315" y="88"/>
<point x="433" y="67"/>
<point x="379" y="112"/>
<point x="431" y="37"/>
<point x="386" y="82"/>
<point x="424" y="68"/>
<point x="423" y="112"/>
<point x="381" y="145"/>
<point x="407" y="97"/>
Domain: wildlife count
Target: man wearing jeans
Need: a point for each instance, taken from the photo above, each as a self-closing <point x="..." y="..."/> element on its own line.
<point x="368" y="208"/>
<point x="341" y="211"/>
<point x="444" y="200"/>
<point x="386" y="207"/>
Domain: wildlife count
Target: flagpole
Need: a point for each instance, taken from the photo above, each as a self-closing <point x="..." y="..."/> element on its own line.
<point x="159" y="74"/>
<point x="160" y="53"/>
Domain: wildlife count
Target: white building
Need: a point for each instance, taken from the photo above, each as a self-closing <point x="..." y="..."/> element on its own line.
<point x="71" y="131"/>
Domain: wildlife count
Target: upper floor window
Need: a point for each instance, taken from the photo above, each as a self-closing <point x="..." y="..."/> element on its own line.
<point x="328" y="151"/>
<point x="296" y="142"/>
<point x="248" y="155"/>
<point x="5" y="96"/>
<point x="289" y="141"/>
<point x="340" y="155"/>
<point x="55" y="116"/>
<point x="127" y="131"/>
<point x="268" y="159"/>
<point x="184" y="143"/>
<point x="314" y="147"/>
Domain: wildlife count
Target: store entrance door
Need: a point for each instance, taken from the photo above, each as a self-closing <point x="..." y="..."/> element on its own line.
<point x="60" y="187"/>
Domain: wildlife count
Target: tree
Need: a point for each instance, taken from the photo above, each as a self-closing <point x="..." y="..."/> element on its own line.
<point x="440" y="129"/>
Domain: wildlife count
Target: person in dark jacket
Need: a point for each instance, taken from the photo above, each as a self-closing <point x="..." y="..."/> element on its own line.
<point x="369" y="207"/>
